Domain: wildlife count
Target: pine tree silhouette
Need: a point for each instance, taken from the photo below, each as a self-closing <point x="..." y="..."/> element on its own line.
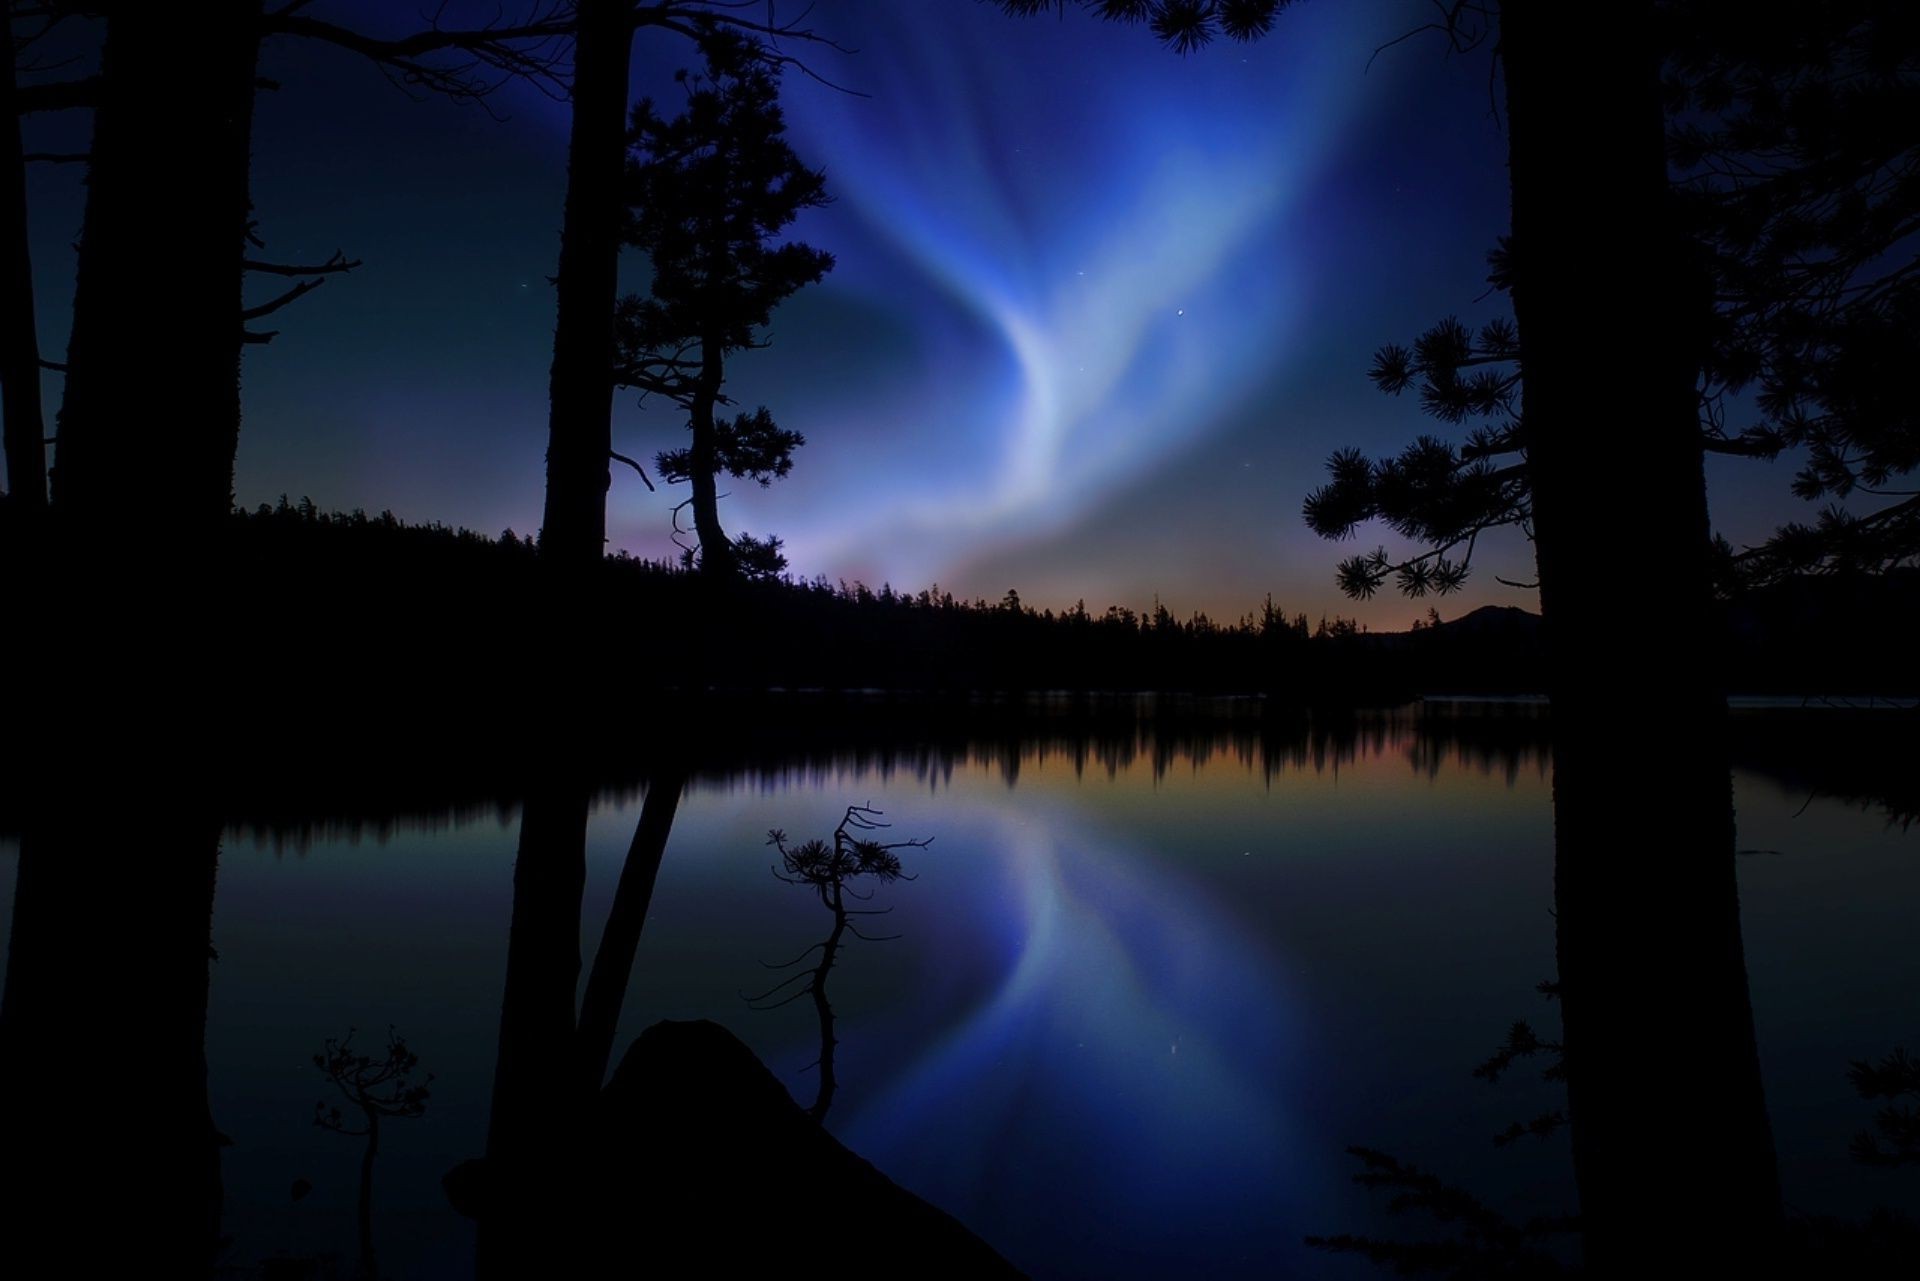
<point x="711" y="189"/>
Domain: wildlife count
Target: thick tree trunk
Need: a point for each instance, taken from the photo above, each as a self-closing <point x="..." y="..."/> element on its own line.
<point x="1672" y="1148"/>
<point x="580" y="409"/>
<point x="535" y="1113"/>
<point x="103" y="1037"/>
<point x="25" y="422"/>
<point x="620" y="942"/>
<point x="148" y="425"/>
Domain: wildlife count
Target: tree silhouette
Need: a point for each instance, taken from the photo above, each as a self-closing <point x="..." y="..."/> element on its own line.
<point x="586" y="284"/>
<point x="711" y="189"/>
<point x="552" y="1062"/>
<point x="1614" y="485"/>
<point x="1893" y="1079"/>
<point x="532" y="1129"/>
<point x="1615" y="466"/>
<point x="174" y="116"/>
<point x="1185" y="25"/>
<point x="832" y="869"/>
<point x="119" y="903"/>
<point x="1479" y="1241"/>
<point x="170" y="164"/>
<point x="1797" y="151"/>
<point x="1523" y="1042"/>
<point x="376" y="1088"/>
<point x="612" y="970"/>
<point x="20" y="408"/>
<point x="1793" y="150"/>
<point x="1434" y="492"/>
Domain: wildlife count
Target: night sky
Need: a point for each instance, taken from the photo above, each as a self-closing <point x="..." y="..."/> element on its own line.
<point x="1100" y="313"/>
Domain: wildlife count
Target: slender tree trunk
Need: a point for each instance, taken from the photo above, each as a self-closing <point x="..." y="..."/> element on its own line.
<point x="531" y="1133"/>
<point x="580" y="421"/>
<point x="1672" y="1148"/>
<point x="620" y="943"/>
<point x="237" y="175"/>
<point x="829" y="953"/>
<point x="25" y="423"/>
<point x="368" y="1268"/>
<point x="716" y="550"/>
<point x="149" y="420"/>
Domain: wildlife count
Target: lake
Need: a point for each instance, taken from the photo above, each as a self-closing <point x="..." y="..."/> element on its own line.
<point x="1152" y="978"/>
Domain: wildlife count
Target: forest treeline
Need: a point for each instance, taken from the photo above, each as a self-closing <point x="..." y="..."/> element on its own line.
<point x="372" y="605"/>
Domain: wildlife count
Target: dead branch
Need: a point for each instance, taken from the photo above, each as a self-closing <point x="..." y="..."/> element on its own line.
<point x="334" y="265"/>
<point x="300" y="290"/>
<point x="620" y="457"/>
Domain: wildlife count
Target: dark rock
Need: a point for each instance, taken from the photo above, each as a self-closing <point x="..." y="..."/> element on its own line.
<point x="698" y="1157"/>
<point x="697" y="1140"/>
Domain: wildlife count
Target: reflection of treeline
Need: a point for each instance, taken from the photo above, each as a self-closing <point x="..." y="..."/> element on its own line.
<point x="1861" y="755"/>
<point x="292" y="787"/>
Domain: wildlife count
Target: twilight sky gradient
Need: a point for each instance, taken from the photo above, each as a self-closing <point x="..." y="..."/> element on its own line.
<point x="1101" y="311"/>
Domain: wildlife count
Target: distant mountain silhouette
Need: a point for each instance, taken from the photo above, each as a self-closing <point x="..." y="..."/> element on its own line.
<point x="1494" y="620"/>
<point x="1828" y="634"/>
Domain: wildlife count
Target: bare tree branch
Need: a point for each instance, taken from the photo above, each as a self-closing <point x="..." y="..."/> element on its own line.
<point x="300" y="290"/>
<point x="334" y="265"/>
<point x="622" y="458"/>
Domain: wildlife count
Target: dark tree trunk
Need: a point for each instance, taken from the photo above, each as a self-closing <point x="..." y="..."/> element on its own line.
<point x="103" y="1037"/>
<point x="620" y="942"/>
<point x="580" y="392"/>
<point x="823" y="1009"/>
<point x="1672" y="1148"/>
<point x="531" y="1133"/>
<point x="149" y="422"/>
<point x="25" y="422"/>
<point x="237" y="207"/>
<point x="716" y="549"/>
<point x="369" y="1270"/>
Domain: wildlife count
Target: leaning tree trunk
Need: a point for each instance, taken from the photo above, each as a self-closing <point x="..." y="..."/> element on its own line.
<point x="1670" y="1136"/>
<point x="620" y="941"/>
<point x="148" y="425"/>
<point x="580" y="409"/>
<point x="25" y="425"/>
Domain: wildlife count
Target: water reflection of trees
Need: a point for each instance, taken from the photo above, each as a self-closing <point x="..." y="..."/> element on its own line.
<point x="1859" y="756"/>
<point x="103" y="1034"/>
<point x="114" y="903"/>
<point x="290" y="796"/>
<point x="691" y="1122"/>
<point x="289" y="799"/>
<point x="1671" y="1141"/>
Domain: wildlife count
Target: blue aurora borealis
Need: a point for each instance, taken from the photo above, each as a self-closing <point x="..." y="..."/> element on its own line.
<point x="1101" y="311"/>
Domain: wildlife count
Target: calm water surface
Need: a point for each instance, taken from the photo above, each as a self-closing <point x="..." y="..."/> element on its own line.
<point x="1145" y="993"/>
